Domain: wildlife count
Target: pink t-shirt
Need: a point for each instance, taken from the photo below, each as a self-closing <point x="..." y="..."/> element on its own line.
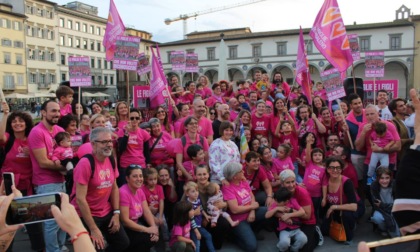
<point x="66" y="110"/>
<point x="18" y="161"/>
<point x="171" y="128"/>
<point x="183" y="149"/>
<point x="133" y="154"/>
<point x="132" y="201"/>
<point x="292" y="140"/>
<point x="242" y="194"/>
<point x="304" y="199"/>
<point x="284" y="164"/>
<point x="213" y="99"/>
<point x="159" y="154"/>
<point x="76" y="142"/>
<point x="178" y="230"/>
<point x="178" y="128"/>
<point x="207" y="92"/>
<point x="84" y="149"/>
<point x="256" y="184"/>
<point x="190" y="168"/>
<point x="121" y="124"/>
<point x="274" y="121"/>
<point x="382" y="141"/>
<point x="61" y="153"/>
<point x="314" y="179"/>
<point x="391" y="129"/>
<point x="322" y="94"/>
<point x="204" y="127"/>
<point x="291" y="204"/>
<point x="41" y="138"/>
<point x="233" y="115"/>
<point x="153" y="196"/>
<point x="99" y="187"/>
<point x="260" y="125"/>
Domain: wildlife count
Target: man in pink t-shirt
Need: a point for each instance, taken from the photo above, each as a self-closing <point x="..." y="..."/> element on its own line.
<point x="204" y="125"/>
<point x="96" y="196"/>
<point x="234" y="109"/>
<point x="260" y="122"/>
<point x="46" y="174"/>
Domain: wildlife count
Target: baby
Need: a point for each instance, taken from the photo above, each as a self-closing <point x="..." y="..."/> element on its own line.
<point x="215" y="195"/>
<point x="63" y="152"/>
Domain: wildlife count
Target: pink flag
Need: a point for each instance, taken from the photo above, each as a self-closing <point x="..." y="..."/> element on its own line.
<point x="302" y="69"/>
<point x="330" y="37"/>
<point x="114" y="27"/>
<point x="157" y="84"/>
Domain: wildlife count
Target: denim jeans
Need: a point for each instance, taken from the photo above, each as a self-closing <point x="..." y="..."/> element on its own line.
<point x="205" y="236"/>
<point x="244" y="232"/>
<point x="295" y="239"/>
<point x="299" y="179"/>
<point x="54" y="237"/>
<point x="379" y="220"/>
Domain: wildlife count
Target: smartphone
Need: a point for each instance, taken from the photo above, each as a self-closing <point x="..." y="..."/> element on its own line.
<point x="9" y="180"/>
<point x="410" y="243"/>
<point x="32" y="209"/>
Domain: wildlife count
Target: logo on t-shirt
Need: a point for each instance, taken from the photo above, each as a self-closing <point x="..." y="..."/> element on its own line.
<point x="104" y="174"/>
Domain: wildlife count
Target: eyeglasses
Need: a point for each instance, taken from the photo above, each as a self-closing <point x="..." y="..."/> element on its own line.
<point x="212" y="113"/>
<point x="135" y="118"/>
<point x="104" y="142"/>
<point x="193" y="123"/>
<point x="160" y="112"/>
<point x="335" y="168"/>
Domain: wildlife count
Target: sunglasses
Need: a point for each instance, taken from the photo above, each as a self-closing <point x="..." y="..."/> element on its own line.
<point x="212" y="113"/>
<point x="135" y="118"/>
<point x="160" y="112"/>
<point x="104" y="142"/>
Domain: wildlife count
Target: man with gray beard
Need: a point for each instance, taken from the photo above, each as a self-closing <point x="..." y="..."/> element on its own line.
<point x="223" y="115"/>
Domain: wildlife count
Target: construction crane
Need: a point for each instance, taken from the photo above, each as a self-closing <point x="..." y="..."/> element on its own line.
<point x="184" y="17"/>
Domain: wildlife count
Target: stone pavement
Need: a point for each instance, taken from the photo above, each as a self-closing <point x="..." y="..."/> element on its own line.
<point x="364" y="232"/>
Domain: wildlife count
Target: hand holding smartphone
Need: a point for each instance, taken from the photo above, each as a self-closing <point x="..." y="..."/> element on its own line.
<point x="8" y="181"/>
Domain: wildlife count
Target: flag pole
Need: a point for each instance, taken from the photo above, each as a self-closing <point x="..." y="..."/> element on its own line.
<point x="374" y="91"/>
<point x="344" y="120"/>
<point x="128" y="91"/>
<point x="80" y="103"/>
<point x="354" y="78"/>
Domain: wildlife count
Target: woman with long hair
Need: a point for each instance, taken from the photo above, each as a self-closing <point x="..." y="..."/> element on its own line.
<point x="164" y="119"/>
<point x="121" y="112"/>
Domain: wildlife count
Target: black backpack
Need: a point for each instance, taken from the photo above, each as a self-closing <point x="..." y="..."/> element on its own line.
<point x="69" y="176"/>
<point x="4" y="150"/>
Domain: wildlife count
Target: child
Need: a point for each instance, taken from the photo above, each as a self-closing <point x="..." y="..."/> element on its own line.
<point x="215" y="195"/>
<point x="264" y="142"/>
<point x="320" y="91"/>
<point x="294" y="93"/>
<point x="288" y="222"/>
<point x="191" y="193"/>
<point x="243" y="88"/>
<point x="180" y="235"/>
<point x="315" y="175"/>
<point x="107" y="116"/>
<point x="196" y="154"/>
<point x="84" y="125"/>
<point x="283" y="156"/>
<point x="63" y="153"/>
<point x="382" y="138"/>
<point x="65" y="97"/>
<point x="155" y="199"/>
<point x="242" y="102"/>
<point x="293" y="105"/>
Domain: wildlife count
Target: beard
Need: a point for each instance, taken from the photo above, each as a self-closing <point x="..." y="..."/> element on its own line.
<point x="52" y="121"/>
<point x="226" y="116"/>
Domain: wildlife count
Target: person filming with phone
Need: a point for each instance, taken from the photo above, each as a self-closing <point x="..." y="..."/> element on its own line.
<point x="95" y="194"/>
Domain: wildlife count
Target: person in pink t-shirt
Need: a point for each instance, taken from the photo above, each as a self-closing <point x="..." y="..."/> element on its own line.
<point x="96" y="196"/>
<point x="204" y="80"/>
<point x="242" y="207"/>
<point x="65" y="97"/>
<point x="205" y="128"/>
<point x="158" y="144"/>
<point x="184" y="112"/>
<point x="121" y="111"/>
<point x="133" y="144"/>
<point x="180" y="234"/>
<point x="165" y="121"/>
<point x="63" y="152"/>
<point x="133" y="206"/>
<point x="260" y="122"/>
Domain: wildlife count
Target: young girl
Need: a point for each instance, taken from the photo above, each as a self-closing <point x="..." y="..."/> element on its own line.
<point x="283" y="156"/>
<point x="180" y="235"/>
<point x="63" y="153"/>
<point x="215" y="195"/>
<point x="85" y="125"/>
<point x="196" y="154"/>
<point x="155" y="199"/>
<point x="314" y="178"/>
<point x="198" y="233"/>
<point x="383" y="193"/>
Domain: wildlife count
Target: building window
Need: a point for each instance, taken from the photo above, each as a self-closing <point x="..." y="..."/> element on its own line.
<point x="256" y="51"/>
<point x="9" y="82"/>
<point x="92" y="62"/>
<point x="51" y="56"/>
<point x="211" y="53"/>
<point x="77" y="26"/>
<point x="32" y="78"/>
<point x="61" y="22"/>
<point x="18" y="44"/>
<point x="63" y="76"/>
<point x="29" y="9"/>
<point x="5" y="23"/>
<point x="29" y="31"/>
<point x="17" y="25"/>
<point x="41" y="55"/>
<point x="98" y="46"/>
<point x="99" y="63"/>
<point x="69" y="24"/>
<point x="309" y="46"/>
<point x="40" y="12"/>
<point x="42" y="78"/>
<point x="20" y="81"/>
<point x="281" y="48"/>
<point x="395" y="41"/>
<point x="70" y="42"/>
<point x="105" y="64"/>
<point x="7" y="58"/>
<point x="19" y="59"/>
<point x="63" y="59"/>
<point x="106" y="79"/>
<point x="233" y="52"/>
<point x="93" y="80"/>
<point x="188" y="50"/>
<point x="31" y="53"/>
<point x="84" y="28"/>
<point x="49" y="14"/>
<point x="111" y="66"/>
<point x="111" y="80"/>
<point x="91" y="28"/>
<point x="364" y="44"/>
<point x="85" y="44"/>
<point x="40" y="33"/>
<point x="98" y="30"/>
<point x="50" y="34"/>
<point x="62" y="40"/>
<point x="52" y="78"/>
<point x="92" y="45"/>
<point x="6" y="42"/>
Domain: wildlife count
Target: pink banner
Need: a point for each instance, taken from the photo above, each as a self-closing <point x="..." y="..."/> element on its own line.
<point x="178" y="60"/>
<point x="143" y="66"/>
<point x="141" y="96"/>
<point x="191" y="63"/>
<point x="329" y="36"/>
<point x="354" y="46"/>
<point x="302" y="69"/>
<point x="79" y="71"/>
<point x="374" y="64"/>
<point x="157" y="84"/>
<point x="389" y="85"/>
<point x="126" y="53"/>
<point x="333" y="84"/>
<point x="114" y="28"/>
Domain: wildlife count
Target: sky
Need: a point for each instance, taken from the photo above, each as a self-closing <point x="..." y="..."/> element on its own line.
<point x="268" y="15"/>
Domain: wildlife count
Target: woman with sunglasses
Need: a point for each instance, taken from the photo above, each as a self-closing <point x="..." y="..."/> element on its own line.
<point x="133" y="145"/>
<point x="163" y="117"/>
<point x="158" y="144"/>
<point x="212" y="114"/>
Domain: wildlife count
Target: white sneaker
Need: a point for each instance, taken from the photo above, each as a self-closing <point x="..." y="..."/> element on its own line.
<point x="321" y="237"/>
<point x="65" y="249"/>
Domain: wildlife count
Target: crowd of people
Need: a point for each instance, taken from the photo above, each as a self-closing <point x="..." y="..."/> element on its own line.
<point x="181" y="181"/>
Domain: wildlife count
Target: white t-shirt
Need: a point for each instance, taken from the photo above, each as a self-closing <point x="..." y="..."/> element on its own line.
<point x="385" y="113"/>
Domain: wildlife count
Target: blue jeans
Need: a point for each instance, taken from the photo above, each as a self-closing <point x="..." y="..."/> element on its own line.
<point x="54" y="237"/>
<point x="205" y="236"/>
<point x="293" y="239"/>
<point x="299" y="179"/>
<point x="244" y="233"/>
<point x="379" y="220"/>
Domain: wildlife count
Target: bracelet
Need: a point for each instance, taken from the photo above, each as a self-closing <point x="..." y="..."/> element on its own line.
<point x="117" y="211"/>
<point x="78" y="235"/>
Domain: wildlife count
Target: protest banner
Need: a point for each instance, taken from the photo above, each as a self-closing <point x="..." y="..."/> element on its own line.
<point x="374" y="64"/>
<point x="178" y="60"/>
<point x="126" y="52"/>
<point x="333" y="84"/>
<point x="114" y="28"/>
<point x="141" y="96"/>
<point x="369" y="87"/>
<point x="143" y="66"/>
<point x="191" y="63"/>
<point x="79" y="71"/>
<point x="354" y="46"/>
